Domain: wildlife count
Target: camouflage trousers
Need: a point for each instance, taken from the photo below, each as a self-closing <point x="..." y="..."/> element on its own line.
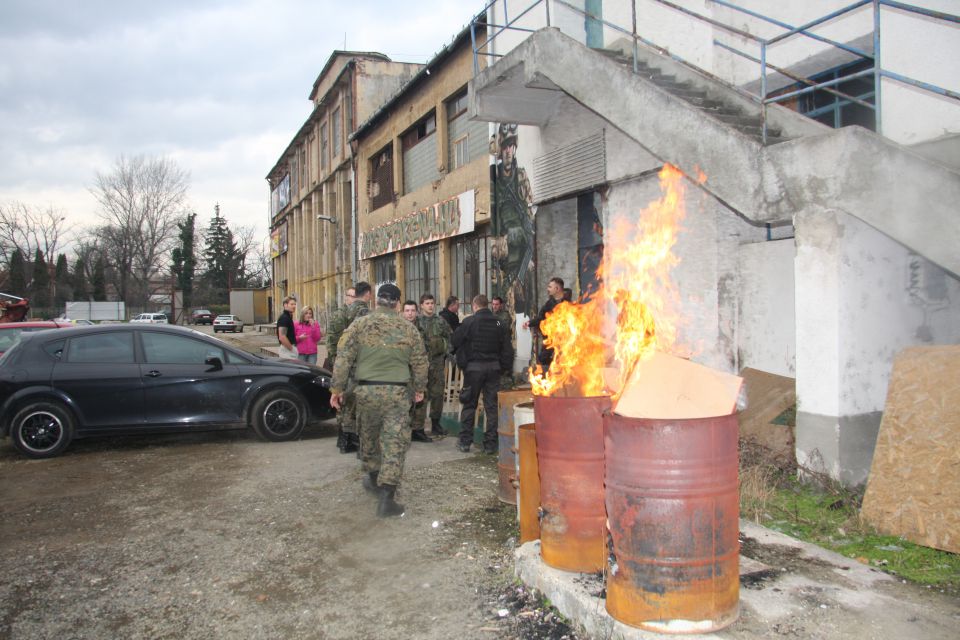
<point x="347" y="415"/>
<point x="435" y="387"/>
<point x="383" y="414"/>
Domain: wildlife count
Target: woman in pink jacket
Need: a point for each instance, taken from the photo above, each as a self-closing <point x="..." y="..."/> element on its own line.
<point x="308" y="335"/>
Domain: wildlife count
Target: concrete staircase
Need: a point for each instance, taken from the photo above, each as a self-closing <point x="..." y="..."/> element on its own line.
<point x="698" y="123"/>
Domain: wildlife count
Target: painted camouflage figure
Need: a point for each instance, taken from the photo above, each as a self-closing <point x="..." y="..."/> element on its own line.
<point x="387" y="358"/>
<point x="347" y="438"/>
<point x="437" y="336"/>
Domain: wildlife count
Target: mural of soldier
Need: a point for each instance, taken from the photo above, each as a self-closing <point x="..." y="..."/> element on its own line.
<point x="512" y="223"/>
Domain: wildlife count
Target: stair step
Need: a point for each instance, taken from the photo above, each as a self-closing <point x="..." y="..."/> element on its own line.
<point x="739" y="119"/>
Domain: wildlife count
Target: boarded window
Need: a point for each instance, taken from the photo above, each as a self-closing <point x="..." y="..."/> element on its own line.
<point x="337" y="131"/>
<point x="380" y="186"/>
<point x="324" y="149"/>
<point x="420" y="154"/>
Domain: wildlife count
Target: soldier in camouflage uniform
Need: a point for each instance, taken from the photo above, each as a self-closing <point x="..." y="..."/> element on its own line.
<point x="347" y="438"/>
<point x="437" y="337"/>
<point x="386" y="354"/>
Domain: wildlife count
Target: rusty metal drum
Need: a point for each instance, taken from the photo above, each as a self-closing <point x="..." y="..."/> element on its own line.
<point x="673" y="509"/>
<point x="569" y="437"/>
<point x="522" y="414"/>
<point x="506" y="441"/>
<point x="529" y="494"/>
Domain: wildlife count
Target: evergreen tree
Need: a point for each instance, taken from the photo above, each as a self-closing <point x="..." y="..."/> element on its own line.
<point x="18" y="274"/>
<point x="79" y="280"/>
<point x="63" y="290"/>
<point x="99" y="280"/>
<point x="40" y="284"/>
<point x="185" y="260"/>
<point x="224" y="259"/>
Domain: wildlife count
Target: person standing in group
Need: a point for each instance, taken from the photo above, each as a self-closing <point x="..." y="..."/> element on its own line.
<point x="483" y="349"/>
<point x="555" y="291"/>
<point x="348" y="297"/>
<point x="499" y="310"/>
<point x="347" y="439"/>
<point x="308" y="335"/>
<point x="386" y="354"/>
<point x="411" y="314"/>
<point x="437" y="336"/>
<point x="286" y="332"/>
<point x="450" y="311"/>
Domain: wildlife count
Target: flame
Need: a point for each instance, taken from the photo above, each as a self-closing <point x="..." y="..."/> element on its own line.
<point x="634" y="313"/>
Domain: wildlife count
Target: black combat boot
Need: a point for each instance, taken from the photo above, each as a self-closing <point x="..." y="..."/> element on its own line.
<point x="436" y="429"/>
<point x="370" y="482"/>
<point x="419" y="435"/>
<point x="347" y="442"/>
<point x="387" y="507"/>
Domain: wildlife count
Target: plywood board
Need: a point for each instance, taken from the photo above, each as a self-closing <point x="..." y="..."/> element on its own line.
<point x="768" y="395"/>
<point x="664" y="386"/>
<point x="914" y="485"/>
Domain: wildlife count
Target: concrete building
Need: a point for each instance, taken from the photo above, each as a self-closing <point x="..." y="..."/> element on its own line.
<point x="425" y="212"/>
<point x="818" y="245"/>
<point x="312" y="185"/>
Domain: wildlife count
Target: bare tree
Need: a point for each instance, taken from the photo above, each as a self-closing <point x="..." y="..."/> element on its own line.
<point x="141" y="200"/>
<point x="28" y="228"/>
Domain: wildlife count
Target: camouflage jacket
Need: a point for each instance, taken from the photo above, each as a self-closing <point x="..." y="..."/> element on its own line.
<point x="436" y="335"/>
<point x="339" y="321"/>
<point x="381" y="347"/>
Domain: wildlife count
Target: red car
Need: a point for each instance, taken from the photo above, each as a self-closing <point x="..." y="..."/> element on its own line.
<point x="10" y="331"/>
<point x="202" y="316"/>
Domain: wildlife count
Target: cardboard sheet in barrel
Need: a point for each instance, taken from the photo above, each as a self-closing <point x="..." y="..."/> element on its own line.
<point x="665" y="386"/>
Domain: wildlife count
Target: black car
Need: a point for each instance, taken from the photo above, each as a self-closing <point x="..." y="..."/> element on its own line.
<point x="124" y="379"/>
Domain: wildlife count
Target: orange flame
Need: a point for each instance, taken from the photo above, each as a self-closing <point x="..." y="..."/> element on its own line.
<point x="636" y="306"/>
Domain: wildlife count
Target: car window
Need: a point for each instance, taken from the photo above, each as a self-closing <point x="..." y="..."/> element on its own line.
<point x="163" y="348"/>
<point x="9" y="337"/>
<point x="233" y="358"/>
<point x="116" y="346"/>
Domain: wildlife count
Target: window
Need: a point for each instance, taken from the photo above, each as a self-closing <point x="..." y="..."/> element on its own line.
<point x="471" y="276"/>
<point x="468" y="139"/>
<point x="323" y="147"/>
<point x="457" y="105"/>
<point x="114" y="347"/>
<point x="161" y="348"/>
<point x="337" y="131"/>
<point x="834" y="111"/>
<point x="348" y="108"/>
<point x="385" y="269"/>
<point x="420" y="154"/>
<point x="460" y="153"/>
<point x="380" y="185"/>
<point x="422" y="271"/>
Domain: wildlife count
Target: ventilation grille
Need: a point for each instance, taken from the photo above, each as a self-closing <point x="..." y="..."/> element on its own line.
<point x="570" y="169"/>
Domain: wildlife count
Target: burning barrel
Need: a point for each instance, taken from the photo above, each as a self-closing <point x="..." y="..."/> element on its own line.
<point x="507" y="442"/>
<point x="672" y="504"/>
<point x="569" y="437"/>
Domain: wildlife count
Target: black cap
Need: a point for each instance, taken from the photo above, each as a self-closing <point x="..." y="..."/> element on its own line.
<point x="389" y="292"/>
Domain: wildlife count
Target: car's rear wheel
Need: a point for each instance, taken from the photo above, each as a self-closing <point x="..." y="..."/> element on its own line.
<point x="241" y="329"/>
<point x="42" y="429"/>
<point x="279" y="415"/>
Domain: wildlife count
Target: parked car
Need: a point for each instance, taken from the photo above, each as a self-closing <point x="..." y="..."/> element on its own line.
<point x="201" y="316"/>
<point x="10" y="332"/>
<point x="226" y="322"/>
<point x="151" y="318"/>
<point x="135" y="378"/>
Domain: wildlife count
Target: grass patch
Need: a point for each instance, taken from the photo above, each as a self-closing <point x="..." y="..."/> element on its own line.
<point x="824" y="513"/>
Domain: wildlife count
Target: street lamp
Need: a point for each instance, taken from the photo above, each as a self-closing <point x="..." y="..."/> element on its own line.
<point x="327" y="219"/>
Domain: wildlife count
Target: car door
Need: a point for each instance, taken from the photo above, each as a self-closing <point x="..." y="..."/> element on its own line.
<point x="99" y="373"/>
<point x="181" y="389"/>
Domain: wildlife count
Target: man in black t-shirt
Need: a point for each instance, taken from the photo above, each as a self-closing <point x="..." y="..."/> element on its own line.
<point x="285" y="332"/>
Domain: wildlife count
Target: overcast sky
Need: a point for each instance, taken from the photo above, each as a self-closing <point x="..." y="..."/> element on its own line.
<point x="220" y="86"/>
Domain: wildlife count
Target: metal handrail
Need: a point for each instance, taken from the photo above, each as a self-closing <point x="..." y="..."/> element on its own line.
<point x="764" y="43"/>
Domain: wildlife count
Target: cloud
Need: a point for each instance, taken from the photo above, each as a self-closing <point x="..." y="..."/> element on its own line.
<point x="219" y="86"/>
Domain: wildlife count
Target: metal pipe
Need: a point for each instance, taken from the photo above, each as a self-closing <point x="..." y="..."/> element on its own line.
<point x="507" y="26"/>
<point x="814" y="36"/>
<point x="633" y="11"/>
<point x="763" y="88"/>
<point x="716" y="23"/>
<point x="473" y="44"/>
<point x="792" y="76"/>
<point x="877" y="71"/>
<point x="546" y="4"/>
<point x="821" y="20"/>
<point x="828" y="83"/>
<point x="923" y="85"/>
<point x="949" y="17"/>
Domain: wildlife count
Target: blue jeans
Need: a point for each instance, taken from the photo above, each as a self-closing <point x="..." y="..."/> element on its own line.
<point x="309" y="358"/>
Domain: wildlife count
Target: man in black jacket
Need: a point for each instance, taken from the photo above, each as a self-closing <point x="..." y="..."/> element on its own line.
<point x="483" y="348"/>
<point x="556" y="292"/>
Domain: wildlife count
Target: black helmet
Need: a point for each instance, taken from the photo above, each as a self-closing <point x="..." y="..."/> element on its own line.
<point x="389" y="292"/>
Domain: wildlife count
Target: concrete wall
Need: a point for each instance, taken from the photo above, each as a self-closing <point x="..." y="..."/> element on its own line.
<point x="766" y="331"/>
<point x="864" y="297"/>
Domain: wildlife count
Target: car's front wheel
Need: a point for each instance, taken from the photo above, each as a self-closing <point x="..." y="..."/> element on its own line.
<point x="279" y="415"/>
<point x="42" y="429"/>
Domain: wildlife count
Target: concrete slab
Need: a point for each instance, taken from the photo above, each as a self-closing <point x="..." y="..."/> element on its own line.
<point x="788" y="587"/>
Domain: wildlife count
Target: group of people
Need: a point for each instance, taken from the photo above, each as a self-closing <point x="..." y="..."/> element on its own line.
<point x="388" y="367"/>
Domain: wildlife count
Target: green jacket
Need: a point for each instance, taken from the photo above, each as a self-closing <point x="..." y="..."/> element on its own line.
<point x="436" y="335"/>
<point x="381" y="347"/>
<point x="339" y="321"/>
